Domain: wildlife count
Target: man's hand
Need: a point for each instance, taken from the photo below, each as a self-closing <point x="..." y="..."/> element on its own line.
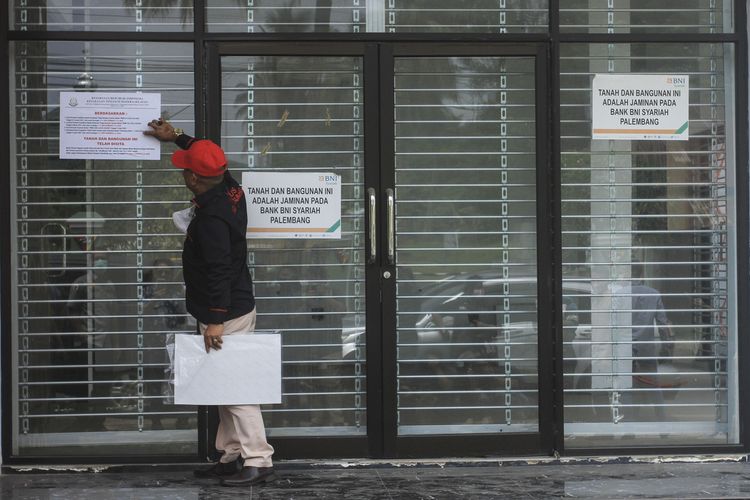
<point x="212" y="336"/>
<point x="162" y="130"/>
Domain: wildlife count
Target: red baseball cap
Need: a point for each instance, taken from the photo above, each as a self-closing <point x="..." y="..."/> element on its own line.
<point x="203" y="158"/>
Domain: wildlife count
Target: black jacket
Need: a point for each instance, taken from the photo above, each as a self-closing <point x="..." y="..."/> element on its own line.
<point x="214" y="256"/>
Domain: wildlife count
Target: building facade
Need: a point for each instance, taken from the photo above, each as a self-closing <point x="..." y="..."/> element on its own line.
<point x="505" y="283"/>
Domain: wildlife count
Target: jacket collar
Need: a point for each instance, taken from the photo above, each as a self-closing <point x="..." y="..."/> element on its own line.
<point x="205" y="199"/>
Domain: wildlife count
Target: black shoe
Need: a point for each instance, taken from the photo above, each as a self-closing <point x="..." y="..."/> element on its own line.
<point x="249" y="476"/>
<point x="220" y="469"/>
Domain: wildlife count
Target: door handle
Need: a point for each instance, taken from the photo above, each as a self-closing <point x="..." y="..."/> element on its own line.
<point x="391" y="208"/>
<point x="373" y="226"/>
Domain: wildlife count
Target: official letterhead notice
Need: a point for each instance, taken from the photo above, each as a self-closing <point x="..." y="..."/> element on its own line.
<point x="108" y="126"/>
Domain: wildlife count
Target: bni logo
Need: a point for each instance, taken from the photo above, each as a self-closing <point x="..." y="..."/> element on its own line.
<point x="676" y="80"/>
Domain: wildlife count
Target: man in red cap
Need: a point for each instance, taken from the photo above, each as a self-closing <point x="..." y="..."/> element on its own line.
<point x="219" y="292"/>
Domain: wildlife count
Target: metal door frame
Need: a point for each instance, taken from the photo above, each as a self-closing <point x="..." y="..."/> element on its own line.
<point x="328" y="446"/>
<point x="378" y="59"/>
<point x="540" y="443"/>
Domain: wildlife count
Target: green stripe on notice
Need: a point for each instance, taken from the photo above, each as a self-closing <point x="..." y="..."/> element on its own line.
<point x="333" y="228"/>
<point x="681" y="129"/>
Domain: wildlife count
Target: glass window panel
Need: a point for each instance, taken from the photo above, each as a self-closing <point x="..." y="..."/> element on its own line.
<point x="291" y="114"/>
<point x="286" y="16"/>
<point x="481" y="16"/>
<point x="98" y="285"/>
<point x="646" y="16"/>
<point x="354" y="16"/>
<point x="101" y="15"/>
<point x="650" y="335"/>
<point x="466" y="245"/>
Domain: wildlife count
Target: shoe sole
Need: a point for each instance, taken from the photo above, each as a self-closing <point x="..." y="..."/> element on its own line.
<point x="213" y="474"/>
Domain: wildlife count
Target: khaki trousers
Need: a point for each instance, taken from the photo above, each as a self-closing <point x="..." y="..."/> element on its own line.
<point x="241" y="431"/>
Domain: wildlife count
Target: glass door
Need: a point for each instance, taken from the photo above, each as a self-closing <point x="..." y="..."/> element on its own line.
<point x="287" y="110"/>
<point x="462" y="213"/>
<point x="423" y="319"/>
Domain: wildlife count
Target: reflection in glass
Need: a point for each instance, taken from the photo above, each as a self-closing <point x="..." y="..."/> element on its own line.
<point x="403" y="16"/>
<point x="262" y="16"/>
<point x="478" y="16"/>
<point x="102" y="15"/>
<point x="291" y="114"/>
<point x="646" y="16"/>
<point x="466" y="245"/>
<point x="649" y="328"/>
<point x="97" y="269"/>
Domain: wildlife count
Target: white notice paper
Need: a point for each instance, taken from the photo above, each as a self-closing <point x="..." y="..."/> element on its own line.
<point x="638" y="107"/>
<point x="108" y="126"/>
<point x="292" y="204"/>
<point x="246" y="370"/>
